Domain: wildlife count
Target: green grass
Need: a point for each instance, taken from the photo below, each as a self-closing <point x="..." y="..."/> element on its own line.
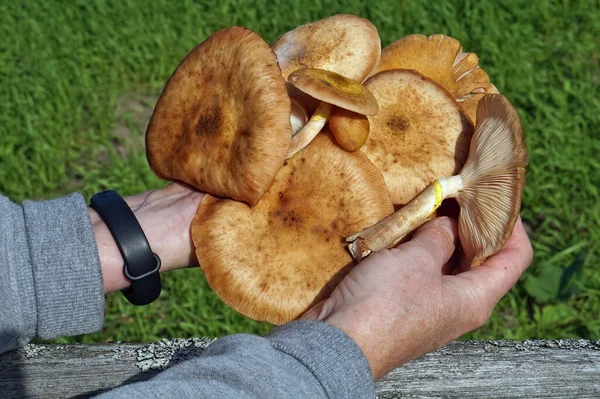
<point x="63" y="68"/>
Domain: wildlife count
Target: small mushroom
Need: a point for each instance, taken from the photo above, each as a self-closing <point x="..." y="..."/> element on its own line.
<point x="419" y="134"/>
<point x="336" y="89"/>
<point x="351" y="130"/>
<point x="488" y="190"/>
<point x="222" y="122"/>
<point x="273" y="261"/>
<point x="440" y="58"/>
<point x="345" y="44"/>
<point x="333" y="90"/>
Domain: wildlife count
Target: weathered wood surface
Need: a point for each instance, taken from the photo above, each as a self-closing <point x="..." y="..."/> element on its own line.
<point x="474" y="369"/>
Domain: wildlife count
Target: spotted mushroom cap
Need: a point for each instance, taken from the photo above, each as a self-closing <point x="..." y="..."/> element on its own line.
<point x="343" y="43"/>
<point x="439" y="57"/>
<point x="419" y="135"/>
<point x="274" y="261"/>
<point x="222" y="122"/>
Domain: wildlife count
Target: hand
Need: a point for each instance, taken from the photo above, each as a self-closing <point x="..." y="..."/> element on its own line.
<point x="165" y="216"/>
<point x="401" y="303"/>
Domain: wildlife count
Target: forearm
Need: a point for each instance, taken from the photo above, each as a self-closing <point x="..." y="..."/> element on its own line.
<point x="51" y="282"/>
<point x="57" y="259"/>
<point x="299" y="360"/>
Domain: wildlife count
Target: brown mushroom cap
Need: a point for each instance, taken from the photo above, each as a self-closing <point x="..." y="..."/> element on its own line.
<point x="345" y="44"/>
<point x="420" y="133"/>
<point x="273" y="261"/>
<point x="222" y="122"/>
<point x="493" y="180"/>
<point x="488" y="190"/>
<point x="351" y="130"/>
<point x="440" y="58"/>
<point x="335" y="89"/>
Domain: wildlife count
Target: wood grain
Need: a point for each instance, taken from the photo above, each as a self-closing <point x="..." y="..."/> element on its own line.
<point x="470" y="369"/>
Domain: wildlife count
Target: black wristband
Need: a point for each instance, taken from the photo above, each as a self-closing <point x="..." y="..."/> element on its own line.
<point x="141" y="264"/>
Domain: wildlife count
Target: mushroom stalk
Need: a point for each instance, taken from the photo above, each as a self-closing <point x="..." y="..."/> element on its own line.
<point x="298" y="117"/>
<point x="311" y="129"/>
<point x="391" y="230"/>
<point x="488" y="190"/>
<point x="332" y="89"/>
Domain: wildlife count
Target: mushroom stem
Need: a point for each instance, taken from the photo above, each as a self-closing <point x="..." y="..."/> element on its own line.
<point x="488" y="190"/>
<point x="298" y="117"/>
<point x="391" y="230"/>
<point x="311" y="129"/>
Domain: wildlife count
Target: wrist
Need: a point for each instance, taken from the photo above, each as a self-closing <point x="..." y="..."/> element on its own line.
<point x="165" y="216"/>
<point x="360" y="322"/>
<point x="111" y="260"/>
<point x="345" y="322"/>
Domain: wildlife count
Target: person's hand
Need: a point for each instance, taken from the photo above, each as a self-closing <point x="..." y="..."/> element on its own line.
<point x="165" y="216"/>
<point x="401" y="303"/>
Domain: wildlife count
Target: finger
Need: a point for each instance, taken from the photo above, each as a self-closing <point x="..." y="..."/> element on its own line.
<point x="315" y="312"/>
<point x="499" y="273"/>
<point x="453" y="263"/>
<point x="433" y="244"/>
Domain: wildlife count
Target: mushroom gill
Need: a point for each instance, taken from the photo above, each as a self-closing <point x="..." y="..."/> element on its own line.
<point x="488" y="189"/>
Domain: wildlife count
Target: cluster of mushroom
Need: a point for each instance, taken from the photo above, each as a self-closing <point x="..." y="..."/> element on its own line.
<point x="306" y="147"/>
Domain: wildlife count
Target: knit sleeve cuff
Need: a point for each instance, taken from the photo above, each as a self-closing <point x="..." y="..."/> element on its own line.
<point x="67" y="278"/>
<point x="331" y="355"/>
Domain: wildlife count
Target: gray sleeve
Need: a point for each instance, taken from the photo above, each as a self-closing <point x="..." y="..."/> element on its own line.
<point x="51" y="283"/>
<point x="299" y="360"/>
<point x="51" y="286"/>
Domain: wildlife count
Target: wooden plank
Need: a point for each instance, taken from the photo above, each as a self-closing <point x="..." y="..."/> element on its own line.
<point x="500" y="369"/>
<point x="472" y="369"/>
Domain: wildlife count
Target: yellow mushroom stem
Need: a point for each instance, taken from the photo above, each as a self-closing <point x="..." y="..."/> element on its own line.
<point x="311" y="129"/>
<point x="391" y="230"/>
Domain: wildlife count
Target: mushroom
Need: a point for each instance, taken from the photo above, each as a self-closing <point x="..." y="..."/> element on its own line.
<point x="488" y="190"/>
<point x="273" y="261"/>
<point x="351" y="130"/>
<point x="222" y="122"/>
<point x="333" y="90"/>
<point x="420" y="133"/>
<point x="345" y="44"/>
<point x="440" y="58"/>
